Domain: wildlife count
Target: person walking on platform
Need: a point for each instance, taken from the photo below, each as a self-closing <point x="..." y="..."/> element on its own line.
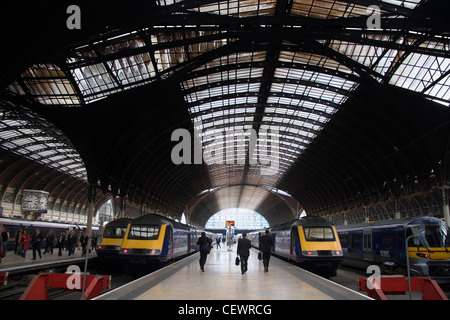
<point x="84" y="239"/>
<point x="205" y="248"/>
<point x="71" y="243"/>
<point x="60" y="244"/>
<point x="49" y="242"/>
<point x="19" y="234"/>
<point x="243" y="250"/>
<point x="5" y="237"/>
<point x="24" y="243"/>
<point x="36" y="241"/>
<point x="265" y="245"/>
<point x="218" y="242"/>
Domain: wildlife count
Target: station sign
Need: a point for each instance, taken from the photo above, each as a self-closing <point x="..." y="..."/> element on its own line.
<point x="229" y="223"/>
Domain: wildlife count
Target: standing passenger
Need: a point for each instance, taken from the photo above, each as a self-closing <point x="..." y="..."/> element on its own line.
<point x="84" y="239"/>
<point x="5" y="237"/>
<point x="243" y="250"/>
<point x="218" y="242"/>
<point x="25" y="243"/>
<point x="71" y="243"/>
<point x="19" y="235"/>
<point x="60" y="244"/>
<point x="265" y="245"/>
<point x="36" y="241"/>
<point x="205" y="247"/>
<point x="49" y="242"/>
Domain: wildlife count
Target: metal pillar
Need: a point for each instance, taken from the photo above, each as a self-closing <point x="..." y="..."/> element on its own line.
<point x="445" y="208"/>
<point x="122" y="207"/>
<point x="90" y="215"/>
<point x="397" y="210"/>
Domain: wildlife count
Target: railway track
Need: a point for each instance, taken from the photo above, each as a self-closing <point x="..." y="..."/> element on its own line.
<point x="18" y="282"/>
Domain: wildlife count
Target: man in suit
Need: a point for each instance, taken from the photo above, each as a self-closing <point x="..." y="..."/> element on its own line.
<point x="205" y="247"/>
<point x="36" y="241"/>
<point x="243" y="250"/>
<point x="265" y="245"/>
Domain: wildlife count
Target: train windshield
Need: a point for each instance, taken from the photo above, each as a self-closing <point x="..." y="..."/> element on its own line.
<point x="144" y="232"/>
<point x="114" y="232"/>
<point x="433" y="236"/>
<point x="319" y="234"/>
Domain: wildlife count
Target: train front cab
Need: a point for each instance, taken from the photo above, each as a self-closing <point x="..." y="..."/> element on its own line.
<point x="151" y="241"/>
<point x="108" y="249"/>
<point x="429" y="255"/>
<point x="316" y="248"/>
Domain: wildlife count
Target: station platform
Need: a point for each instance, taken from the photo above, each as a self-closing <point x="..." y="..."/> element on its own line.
<point x="222" y="280"/>
<point x="15" y="264"/>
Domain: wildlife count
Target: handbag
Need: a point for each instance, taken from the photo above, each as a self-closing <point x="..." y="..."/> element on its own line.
<point x="259" y="256"/>
<point x="237" y="261"/>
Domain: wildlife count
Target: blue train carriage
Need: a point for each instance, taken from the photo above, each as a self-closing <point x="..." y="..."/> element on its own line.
<point x="13" y="226"/>
<point x="197" y="233"/>
<point x="311" y="243"/>
<point x="254" y="237"/>
<point x="383" y="243"/>
<point x="109" y="247"/>
<point x="151" y="241"/>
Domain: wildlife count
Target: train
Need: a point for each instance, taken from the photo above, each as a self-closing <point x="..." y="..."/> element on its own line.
<point x="383" y="243"/>
<point x="12" y="226"/>
<point x="109" y="247"/>
<point x="311" y="243"/>
<point x="152" y="241"/>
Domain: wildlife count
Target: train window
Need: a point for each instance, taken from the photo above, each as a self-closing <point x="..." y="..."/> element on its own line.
<point x="434" y="236"/>
<point x="144" y="232"/>
<point x="387" y="241"/>
<point x="356" y="241"/>
<point x="114" y="232"/>
<point x="319" y="234"/>
<point x="344" y="239"/>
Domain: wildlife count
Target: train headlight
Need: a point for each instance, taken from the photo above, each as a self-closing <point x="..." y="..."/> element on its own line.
<point x="153" y="252"/>
<point x="422" y="255"/>
<point x="310" y="253"/>
<point x="336" y="253"/>
<point x="124" y="250"/>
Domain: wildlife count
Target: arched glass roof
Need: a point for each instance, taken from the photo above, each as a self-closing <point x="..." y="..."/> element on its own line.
<point x="24" y="132"/>
<point x="281" y="67"/>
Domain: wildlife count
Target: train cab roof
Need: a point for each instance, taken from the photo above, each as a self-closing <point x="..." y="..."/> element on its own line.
<point x="155" y="219"/>
<point x="121" y="222"/>
<point x="304" y="221"/>
<point x="411" y="221"/>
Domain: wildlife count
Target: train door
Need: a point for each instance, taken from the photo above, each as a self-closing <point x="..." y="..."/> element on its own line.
<point x="169" y="235"/>
<point x="367" y="245"/>
<point x="294" y="235"/>
<point x="189" y="235"/>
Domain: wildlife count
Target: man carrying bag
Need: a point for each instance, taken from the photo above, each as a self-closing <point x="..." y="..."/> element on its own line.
<point x="265" y="245"/>
<point x="205" y="244"/>
<point x="243" y="250"/>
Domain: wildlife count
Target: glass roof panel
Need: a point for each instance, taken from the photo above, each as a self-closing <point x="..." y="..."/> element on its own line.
<point x="48" y="84"/>
<point x="313" y="60"/>
<point x="411" y="4"/>
<point x="327" y="9"/>
<point x="239" y="8"/>
<point x="424" y="73"/>
<point x="27" y="134"/>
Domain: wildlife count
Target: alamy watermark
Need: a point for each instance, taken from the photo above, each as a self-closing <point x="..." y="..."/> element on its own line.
<point x="74" y="281"/>
<point x="374" y="281"/>
<point x="374" y="20"/>
<point x="228" y="146"/>
<point x="74" y="20"/>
